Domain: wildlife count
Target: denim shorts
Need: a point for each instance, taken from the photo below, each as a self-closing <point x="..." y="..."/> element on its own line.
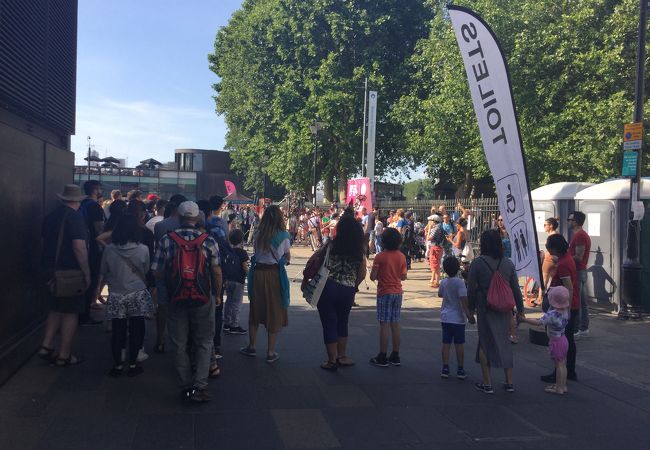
<point x="389" y="307"/>
<point x="453" y="332"/>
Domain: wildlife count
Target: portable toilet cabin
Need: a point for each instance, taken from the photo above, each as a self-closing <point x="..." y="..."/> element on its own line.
<point x="606" y="206"/>
<point x="555" y="200"/>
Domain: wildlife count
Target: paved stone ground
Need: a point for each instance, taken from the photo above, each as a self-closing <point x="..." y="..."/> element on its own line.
<point x="295" y="404"/>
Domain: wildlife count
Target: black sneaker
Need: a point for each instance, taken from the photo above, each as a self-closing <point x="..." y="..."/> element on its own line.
<point x="460" y="373"/>
<point x="394" y="359"/>
<point x="134" y="371"/>
<point x="186" y="394"/>
<point x="444" y="373"/>
<point x="550" y="378"/>
<point x="226" y="328"/>
<point x="486" y="388"/>
<point x="509" y="387"/>
<point x="379" y="360"/>
<point x="237" y="330"/>
<point x="248" y="351"/>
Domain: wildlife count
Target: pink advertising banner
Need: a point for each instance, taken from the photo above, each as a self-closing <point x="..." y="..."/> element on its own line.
<point x="359" y="194"/>
<point x="230" y="187"/>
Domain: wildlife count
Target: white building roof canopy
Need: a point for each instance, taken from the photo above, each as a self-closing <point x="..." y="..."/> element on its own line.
<point x="559" y="191"/>
<point x="613" y="190"/>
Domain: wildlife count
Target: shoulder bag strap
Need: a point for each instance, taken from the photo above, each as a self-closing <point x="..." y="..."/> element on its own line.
<point x="60" y="237"/>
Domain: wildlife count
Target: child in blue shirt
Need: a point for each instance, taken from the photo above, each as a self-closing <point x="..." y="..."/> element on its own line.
<point x="454" y="314"/>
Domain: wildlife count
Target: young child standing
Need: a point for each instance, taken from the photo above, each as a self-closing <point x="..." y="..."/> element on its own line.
<point x="454" y="314"/>
<point x="389" y="270"/>
<point x="235" y="288"/>
<point x="555" y="320"/>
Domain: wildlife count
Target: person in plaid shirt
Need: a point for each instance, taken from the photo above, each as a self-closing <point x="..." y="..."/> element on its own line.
<point x="195" y="322"/>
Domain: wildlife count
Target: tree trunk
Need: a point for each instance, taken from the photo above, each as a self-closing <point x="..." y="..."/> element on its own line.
<point x="466" y="188"/>
<point x="343" y="186"/>
<point x="328" y="187"/>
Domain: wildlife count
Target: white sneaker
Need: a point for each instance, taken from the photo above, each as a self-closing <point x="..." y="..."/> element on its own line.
<point x="142" y="355"/>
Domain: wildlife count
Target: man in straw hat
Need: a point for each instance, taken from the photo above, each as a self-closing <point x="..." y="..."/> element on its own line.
<point x="72" y="254"/>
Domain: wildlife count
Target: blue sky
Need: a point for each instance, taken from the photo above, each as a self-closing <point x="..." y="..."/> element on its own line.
<point x="143" y="83"/>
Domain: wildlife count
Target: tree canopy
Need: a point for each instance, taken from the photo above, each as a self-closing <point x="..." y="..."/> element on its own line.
<point x="572" y="67"/>
<point x="283" y="63"/>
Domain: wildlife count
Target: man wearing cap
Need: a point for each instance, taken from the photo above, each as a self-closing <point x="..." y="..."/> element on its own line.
<point x="191" y="323"/>
<point x="72" y="255"/>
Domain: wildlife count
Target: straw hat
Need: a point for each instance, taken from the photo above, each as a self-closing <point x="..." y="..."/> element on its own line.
<point x="71" y="193"/>
<point x="558" y="297"/>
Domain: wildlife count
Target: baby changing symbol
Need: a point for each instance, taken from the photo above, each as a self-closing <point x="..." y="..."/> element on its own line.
<point x="510" y="197"/>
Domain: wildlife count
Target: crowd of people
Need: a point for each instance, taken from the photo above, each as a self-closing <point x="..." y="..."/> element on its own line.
<point x="184" y="264"/>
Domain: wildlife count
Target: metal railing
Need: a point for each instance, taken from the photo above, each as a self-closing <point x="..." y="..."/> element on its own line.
<point x="484" y="212"/>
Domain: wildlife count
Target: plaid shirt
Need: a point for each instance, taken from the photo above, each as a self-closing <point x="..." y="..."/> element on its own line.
<point x="165" y="252"/>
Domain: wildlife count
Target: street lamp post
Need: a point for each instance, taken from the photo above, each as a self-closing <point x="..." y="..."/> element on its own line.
<point x="630" y="307"/>
<point x="315" y="127"/>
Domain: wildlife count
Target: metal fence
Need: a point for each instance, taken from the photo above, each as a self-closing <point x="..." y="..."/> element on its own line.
<point x="484" y="212"/>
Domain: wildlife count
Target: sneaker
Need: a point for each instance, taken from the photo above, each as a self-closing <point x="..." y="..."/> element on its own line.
<point x="186" y="394"/>
<point x="460" y="373"/>
<point x="134" y="371"/>
<point x="142" y="355"/>
<point x="272" y="358"/>
<point x="509" y="387"/>
<point x="394" y="359"/>
<point x="237" y="330"/>
<point x="572" y="376"/>
<point x="486" y="388"/>
<point x="226" y="328"/>
<point x="550" y="378"/>
<point x="444" y="373"/>
<point x="200" y="396"/>
<point x="379" y="360"/>
<point x="581" y="334"/>
<point x="248" y="351"/>
<point x="217" y="353"/>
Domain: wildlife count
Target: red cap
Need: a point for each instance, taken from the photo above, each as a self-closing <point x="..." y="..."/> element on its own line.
<point x="152" y="197"/>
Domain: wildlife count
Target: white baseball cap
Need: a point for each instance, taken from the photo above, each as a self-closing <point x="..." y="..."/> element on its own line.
<point x="188" y="209"/>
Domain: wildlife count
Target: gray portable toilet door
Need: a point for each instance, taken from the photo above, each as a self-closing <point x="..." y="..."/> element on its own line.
<point x="543" y="210"/>
<point x="602" y="267"/>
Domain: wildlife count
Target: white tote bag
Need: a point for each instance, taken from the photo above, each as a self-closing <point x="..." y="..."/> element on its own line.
<point x="314" y="288"/>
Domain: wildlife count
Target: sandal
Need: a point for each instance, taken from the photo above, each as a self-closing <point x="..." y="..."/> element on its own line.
<point x="71" y="360"/>
<point x="340" y="361"/>
<point x="329" y="365"/>
<point x="45" y="353"/>
<point x="214" y="372"/>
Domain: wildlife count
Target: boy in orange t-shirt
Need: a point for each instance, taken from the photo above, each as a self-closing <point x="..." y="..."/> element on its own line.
<point x="389" y="270"/>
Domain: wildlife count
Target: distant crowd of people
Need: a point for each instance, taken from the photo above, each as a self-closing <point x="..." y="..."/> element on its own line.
<point x="184" y="263"/>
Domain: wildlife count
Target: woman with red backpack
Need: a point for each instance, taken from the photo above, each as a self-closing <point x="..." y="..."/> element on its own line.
<point x="493" y="291"/>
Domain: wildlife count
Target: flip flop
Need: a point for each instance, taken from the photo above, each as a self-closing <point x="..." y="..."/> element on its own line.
<point x="343" y="364"/>
<point x="215" y="372"/>
<point x="48" y="355"/>
<point x="330" y="366"/>
<point x="71" y="360"/>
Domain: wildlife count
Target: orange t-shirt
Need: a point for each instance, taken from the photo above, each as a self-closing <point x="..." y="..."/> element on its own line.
<point x="390" y="266"/>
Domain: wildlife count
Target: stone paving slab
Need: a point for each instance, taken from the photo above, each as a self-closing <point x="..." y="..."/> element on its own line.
<point x="295" y="404"/>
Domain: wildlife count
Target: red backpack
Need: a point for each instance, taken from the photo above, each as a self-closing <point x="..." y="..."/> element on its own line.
<point x="499" y="294"/>
<point x="188" y="281"/>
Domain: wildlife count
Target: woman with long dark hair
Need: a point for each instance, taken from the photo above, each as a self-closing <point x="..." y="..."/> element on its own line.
<point x="125" y="264"/>
<point x="268" y="284"/>
<point x="494" y="348"/>
<point x="347" y="269"/>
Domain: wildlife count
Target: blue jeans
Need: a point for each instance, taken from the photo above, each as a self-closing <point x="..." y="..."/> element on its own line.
<point x="378" y="246"/>
<point x="234" y="299"/>
<point x="584" y="303"/>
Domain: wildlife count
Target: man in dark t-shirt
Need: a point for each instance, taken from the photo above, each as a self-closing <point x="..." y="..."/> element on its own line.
<point x="64" y="311"/>
<point x="93" y="216"/>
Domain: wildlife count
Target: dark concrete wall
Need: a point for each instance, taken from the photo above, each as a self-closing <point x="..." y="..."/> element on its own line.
<point x="32" y="171"/>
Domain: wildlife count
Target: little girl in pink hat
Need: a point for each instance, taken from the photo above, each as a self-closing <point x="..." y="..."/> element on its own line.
<point x="555" y="320"/>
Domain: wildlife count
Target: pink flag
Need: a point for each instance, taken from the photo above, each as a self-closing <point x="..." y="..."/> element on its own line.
<point x="230" y="187"/>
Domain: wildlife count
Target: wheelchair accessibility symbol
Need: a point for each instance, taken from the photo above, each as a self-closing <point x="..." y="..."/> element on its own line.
<point x="510" y="197"/>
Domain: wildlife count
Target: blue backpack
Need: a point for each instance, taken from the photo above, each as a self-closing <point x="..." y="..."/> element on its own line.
<point x="230" y="261"/>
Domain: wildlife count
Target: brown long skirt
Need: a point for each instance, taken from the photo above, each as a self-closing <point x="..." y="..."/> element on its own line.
<point x="266" y="305"/>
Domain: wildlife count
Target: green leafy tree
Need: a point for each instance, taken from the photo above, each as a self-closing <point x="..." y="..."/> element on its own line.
<point x="572" y="65"/>
<point x="282" y="63"/>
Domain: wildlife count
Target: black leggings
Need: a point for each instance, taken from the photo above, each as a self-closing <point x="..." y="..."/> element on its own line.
<point x="118" y="338"/>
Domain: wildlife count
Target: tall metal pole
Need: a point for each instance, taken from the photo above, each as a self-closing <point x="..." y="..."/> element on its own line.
<point x="88" y="158"/>
<point x="363" y="140"/>
<point x="632" y="268"/>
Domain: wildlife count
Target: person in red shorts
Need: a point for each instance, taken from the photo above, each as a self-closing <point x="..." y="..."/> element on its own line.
<point x="437" y="239"/>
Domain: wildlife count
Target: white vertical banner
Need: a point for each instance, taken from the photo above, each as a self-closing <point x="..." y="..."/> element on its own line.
<point x="372" y="128"/>
<point x="494" y="106"/>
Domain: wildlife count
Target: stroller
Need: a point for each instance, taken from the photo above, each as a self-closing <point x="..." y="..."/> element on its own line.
<point x="419" y="246"/>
